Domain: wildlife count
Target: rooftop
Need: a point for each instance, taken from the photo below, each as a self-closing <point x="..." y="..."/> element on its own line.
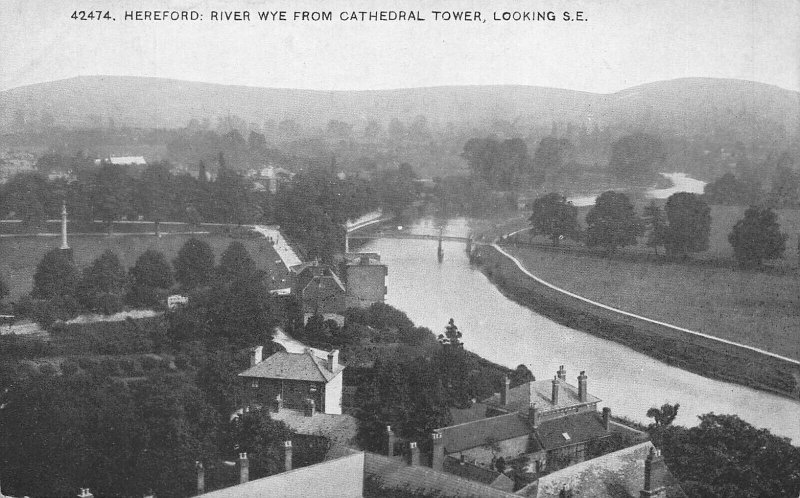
<point x="394" y="474"/>
<point x="539" y="392"/>
<point x="479" y="432"/>
<point x="475" y="473"/>
<point x="339" y="429"/>
<point x="616" y="475"/>
<point x="566" y="431"/>
<point x="294" y="366"/>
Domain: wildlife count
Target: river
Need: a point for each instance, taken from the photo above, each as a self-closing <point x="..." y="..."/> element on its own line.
<point x="507" y="333"/>
<point x="681" y="182"/>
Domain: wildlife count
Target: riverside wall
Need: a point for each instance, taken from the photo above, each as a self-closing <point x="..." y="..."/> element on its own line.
<point x="692" y="351"/>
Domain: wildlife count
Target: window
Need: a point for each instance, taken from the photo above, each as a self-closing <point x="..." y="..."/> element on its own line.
<point x="254" y="384"/>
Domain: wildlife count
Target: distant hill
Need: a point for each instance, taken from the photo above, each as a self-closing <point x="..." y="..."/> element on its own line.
<point x="693" y="105"/>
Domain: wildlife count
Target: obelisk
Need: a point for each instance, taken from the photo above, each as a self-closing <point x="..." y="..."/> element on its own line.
<point x="64" y="244"/>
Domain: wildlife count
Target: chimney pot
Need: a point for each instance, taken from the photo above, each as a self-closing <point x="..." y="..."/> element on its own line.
<point x="244" y="468"/>
<point x="504" y="391"/>
<point x="582" y="392"/>
<point x="201" y="477"/>
<point x="562" y="373"/>
<point x="533" y="416"/>
<point x="556" y="389"/>
<point x="256" y="355"/>
<point x="287" y="455"/>
<point x="437" y="452"/>
<point x="607" y="418"/>
<point x="390" y="441"/>
<point x="333" y="359"/>
<point x="413" y="454"/>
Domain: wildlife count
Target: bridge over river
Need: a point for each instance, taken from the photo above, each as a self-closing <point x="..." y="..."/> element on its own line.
<point x="401" y="235"/>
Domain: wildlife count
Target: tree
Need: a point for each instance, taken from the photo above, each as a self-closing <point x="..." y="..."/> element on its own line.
<point x="785" y="185"/>
<point x="521" y="375"/>
<point x="236" y="262"/>
<point x="255" y="433"/>
<point x="103" y="284"/>
<point x="730" y="191"/>
<point x="194" y="266"/>
<point x="55" y="276"/>
<point x="28" y="196"/>
<point x="451" y="336"/>
<point x="612" y="222"/>
<point x="150" y="274"/>
<point x="155" y="194"/>
<point x="725" y="456"/>
<point x="634" y="157"/>
<point x="656" y="225"/>
<point x="554" y="217"/>
<point x="689" y="219"/>
<point x="757" y="237"/>
<point x="111" y="193"/>
<point x="665" y="415"/>
<point x="550" y="155"/>
<point x="4" y="291"/>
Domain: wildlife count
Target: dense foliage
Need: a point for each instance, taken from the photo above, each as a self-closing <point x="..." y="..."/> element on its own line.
<point x="757" y="237"/>
<point x="554" y="217"/>
<point x="612" y="222"/>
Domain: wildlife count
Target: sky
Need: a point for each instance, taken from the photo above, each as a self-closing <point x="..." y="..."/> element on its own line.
<point x="622" y="43"/>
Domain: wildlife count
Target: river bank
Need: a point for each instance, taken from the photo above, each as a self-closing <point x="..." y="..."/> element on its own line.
<point x="709" y="358"/>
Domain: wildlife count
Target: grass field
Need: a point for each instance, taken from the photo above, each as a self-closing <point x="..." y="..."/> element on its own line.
<point x="754" y="308"/>
<point x="20" y="255"/>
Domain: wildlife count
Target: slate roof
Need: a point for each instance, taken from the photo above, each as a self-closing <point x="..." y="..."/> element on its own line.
<point x="580" y="427"/>
<point x="293" y="366"/>
<point x="475" y="412"/>
<point x="391" y="473"/>
<point x="471" y="471"/>
<point x="616" y="475"/>
<point x="339" y="429"/>
<point x="540" y="392"/>
<point x="479" y="432"/>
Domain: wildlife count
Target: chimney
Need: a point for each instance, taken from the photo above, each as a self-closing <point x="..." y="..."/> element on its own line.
<point x="556" y="388"/>
<point x="504" y="391"/>
<point x="654" y="473"/>
<point x="85" y="493"/>
<point x="437" y="452"/>
<point x="287" y="456"/>
<point x="333" y="359"/>
<point x="256" y="355"/>
<point x="607" y="418"/>
<point x="277" y="404"/>
<point x="582" y="387"/>
<point x="413" y="454"/>
<point x="244" y="468"/>
<point x="310" y="408"/>
<point x="562" y="373"/>
<point x="201" y="477"/>
<point x="390" y="440"/>
<point x="533" y="416"/>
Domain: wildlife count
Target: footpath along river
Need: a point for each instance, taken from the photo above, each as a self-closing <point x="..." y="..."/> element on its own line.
<point x="507" y="333"/>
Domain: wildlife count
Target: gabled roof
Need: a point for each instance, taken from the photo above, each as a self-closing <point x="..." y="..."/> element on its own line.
<point x="616" y="475"/>
<point x="480" y="432"/>
<point x="539" y="392"/>
<point x="569" y="430"/>
<point x="394" y="474"/>
<point x="475" y="473"/>
<point x="293" y="366"/>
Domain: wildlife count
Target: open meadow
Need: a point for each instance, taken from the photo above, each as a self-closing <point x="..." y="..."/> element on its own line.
<point x="20" y="255"/>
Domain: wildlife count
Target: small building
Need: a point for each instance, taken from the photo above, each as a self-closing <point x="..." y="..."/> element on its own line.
<point x="364" y="278"/>
<point x="636" y="471"/>
<point x="319" y="291"/>
<point x="301" y="381"/>
<point x="539" y="421"/>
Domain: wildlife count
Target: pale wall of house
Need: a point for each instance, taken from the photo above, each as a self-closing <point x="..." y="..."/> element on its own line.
<point x="333" y="395"/>
<point x="366" y="284"/>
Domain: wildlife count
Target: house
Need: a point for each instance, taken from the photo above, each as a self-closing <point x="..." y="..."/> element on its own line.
<point x="301" y="381"/>
<point x="541" y="421"/>
<point x="636" y="471"/>
<point x="123" y="161"/>
<point x="319" y="291"/>
<point x="365" y="279"/>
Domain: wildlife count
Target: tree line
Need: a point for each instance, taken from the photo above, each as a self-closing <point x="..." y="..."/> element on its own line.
<point x="681" y="227"/>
